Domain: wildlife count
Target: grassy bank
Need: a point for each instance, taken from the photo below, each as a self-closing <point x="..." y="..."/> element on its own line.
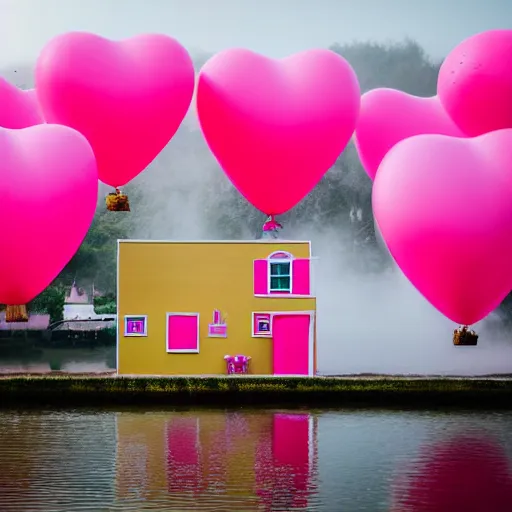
<point x="108" y="390"/>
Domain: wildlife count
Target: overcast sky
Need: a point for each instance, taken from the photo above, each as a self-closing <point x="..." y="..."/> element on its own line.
<point x="274" y="27"/>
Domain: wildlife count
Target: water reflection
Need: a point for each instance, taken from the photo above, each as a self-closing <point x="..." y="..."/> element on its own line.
<point x="234" y="461"/>
<point x="466" y="473"/>
<point x="255" y="460"/>
<point x="53" y="461"/>
<point x="32" y="358"/>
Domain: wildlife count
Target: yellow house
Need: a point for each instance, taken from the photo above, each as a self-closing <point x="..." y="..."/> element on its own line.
<point x="206" y="308"/>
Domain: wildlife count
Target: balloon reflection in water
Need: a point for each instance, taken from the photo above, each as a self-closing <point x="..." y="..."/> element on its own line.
<point x="470" y="474"/>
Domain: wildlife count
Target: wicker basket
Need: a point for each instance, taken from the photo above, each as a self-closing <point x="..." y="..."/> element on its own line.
<point x="465" y="338"/>
<point x="16" y="314"/>
<point x="117" y="202"/>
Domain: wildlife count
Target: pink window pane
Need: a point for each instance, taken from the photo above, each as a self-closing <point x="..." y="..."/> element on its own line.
<point x="135" y="326"/>
<point x="262" y="324"/>
<point x="182" y="333"/>
<point x="280" y="256"/>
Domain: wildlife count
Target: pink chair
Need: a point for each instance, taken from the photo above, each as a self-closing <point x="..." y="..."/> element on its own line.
<point x="230" y="366"/>
<point x="237" y="364"/>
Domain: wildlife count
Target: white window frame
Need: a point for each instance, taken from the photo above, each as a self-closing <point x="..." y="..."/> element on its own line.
<point x="270" y="261"/>
<point x="142" y="334"/>
<point x="258" y="334"/>
<point x="181" y="350"/>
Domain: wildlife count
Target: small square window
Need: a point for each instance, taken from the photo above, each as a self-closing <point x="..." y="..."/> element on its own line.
<point x="280" y="277"/>
<point x="135" y="325"/>
<point x="261" y="325"/>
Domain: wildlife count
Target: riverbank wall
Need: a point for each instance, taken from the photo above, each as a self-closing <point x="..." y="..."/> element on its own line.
<point x="375" y="391"/>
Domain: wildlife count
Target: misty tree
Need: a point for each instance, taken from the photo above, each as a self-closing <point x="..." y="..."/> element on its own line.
<point x="50" y="302"/>
<point x="401" y="65"/>
<point x="95" y="262"/>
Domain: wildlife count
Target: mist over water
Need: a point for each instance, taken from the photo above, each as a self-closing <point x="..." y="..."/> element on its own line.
<point x="368" y="322"/>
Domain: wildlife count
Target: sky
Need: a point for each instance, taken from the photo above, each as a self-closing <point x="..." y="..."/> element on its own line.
<point x="276" y="28"/>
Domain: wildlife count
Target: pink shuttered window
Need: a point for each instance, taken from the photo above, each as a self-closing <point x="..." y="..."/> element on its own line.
<point x="301" y="277"/>
<point x="260" y="277"/>
<point x="282" y="274"/>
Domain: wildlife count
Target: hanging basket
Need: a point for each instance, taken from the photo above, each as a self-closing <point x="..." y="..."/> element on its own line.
<point x="464" y="337"/>
<point x="271" y="228"/>
<point x="16" y="314"/>
<point x="117" y="202"/>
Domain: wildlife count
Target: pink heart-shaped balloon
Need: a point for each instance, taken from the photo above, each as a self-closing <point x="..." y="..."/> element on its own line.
<point x="475" y="83"/>
<point x="277" y="126"/>
<point x="444" y="208"/>
<point x="18" y="108"/>
<point x="388" y="116"/>
<point x="49" y="190"/>
<point x="128" y="97"/>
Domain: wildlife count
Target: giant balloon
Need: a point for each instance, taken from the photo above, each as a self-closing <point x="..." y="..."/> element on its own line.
<point x="388" y="116"/>
<point x="475" y="82"/>
<point x="49" y="190"/>
<point x="18" y="108"/>
<point x="276" y="126"/>
<point x="128" y="98"/>
<point x="444" y="208"/>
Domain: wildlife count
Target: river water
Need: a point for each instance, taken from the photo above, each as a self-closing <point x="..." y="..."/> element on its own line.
<point x="255" y="460"/>
<point x="21" y="357"/>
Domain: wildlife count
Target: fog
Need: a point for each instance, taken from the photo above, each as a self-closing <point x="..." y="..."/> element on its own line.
<point x="368" y="322"/>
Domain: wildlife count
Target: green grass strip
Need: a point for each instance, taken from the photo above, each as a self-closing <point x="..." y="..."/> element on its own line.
<point x="221" y="391"/>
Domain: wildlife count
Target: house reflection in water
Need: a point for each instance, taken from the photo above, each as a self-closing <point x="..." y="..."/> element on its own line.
<point x="249" y="461"/>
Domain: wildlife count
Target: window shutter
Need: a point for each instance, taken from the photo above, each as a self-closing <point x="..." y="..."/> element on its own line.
<point x="260" y="277"/>
<point x="301" y="277"/>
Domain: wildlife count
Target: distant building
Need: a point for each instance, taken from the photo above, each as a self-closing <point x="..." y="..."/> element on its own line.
<point x="78" y="306"/>
<point x="78" y="315"/>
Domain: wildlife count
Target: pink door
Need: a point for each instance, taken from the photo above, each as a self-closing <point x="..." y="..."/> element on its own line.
<point x="291" y="344"/>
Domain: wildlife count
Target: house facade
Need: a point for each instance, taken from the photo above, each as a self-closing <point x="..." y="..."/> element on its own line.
<point x="183" y="306"/>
